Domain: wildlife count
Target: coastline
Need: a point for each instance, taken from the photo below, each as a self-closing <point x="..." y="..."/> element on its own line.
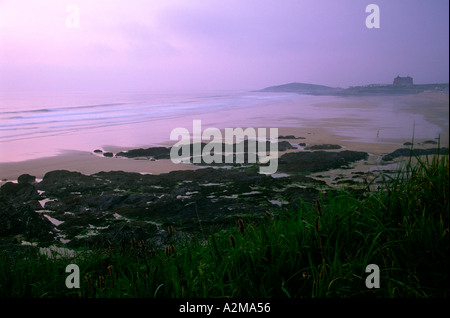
<point x="89" y="200"/>
<point x="341" y="123"/>
<point x="89" y="163"/>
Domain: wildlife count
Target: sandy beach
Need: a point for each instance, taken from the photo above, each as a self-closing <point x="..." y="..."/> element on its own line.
<point x="345" y="127"/>
<point x="90" y="163"/>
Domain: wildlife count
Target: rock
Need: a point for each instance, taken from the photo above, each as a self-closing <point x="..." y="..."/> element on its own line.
<point x="164" y="153"/>
<point x="61" y="176"/>
<point x="26" y="178"/>
<point x="406" y="152"/>
<point x="98" y="151"/>
<point x="25" y="221"/>
<point x="302" y="144"/>
<point x="35" y="226"/>
<point x="324" y="147"/>
<point x="7" y="222"/>
<point x="113" y="207"/>
<point x="290" y="137"/>
<point x="54" y="205"/>
<point x="407" y="143"/>
<point x="283" y="146"/>
<point x="62" y="183"/>
<point x="19" y="192"/>
<point x="154" y="152"/>
<point x="318" y="160"/>
<point x="108" y="154"/>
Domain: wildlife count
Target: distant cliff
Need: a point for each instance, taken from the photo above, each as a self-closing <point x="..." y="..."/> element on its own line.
<point x="387" y="89"/>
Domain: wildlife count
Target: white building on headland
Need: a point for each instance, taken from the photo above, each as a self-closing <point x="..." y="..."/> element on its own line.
<point x="403" y="81"/>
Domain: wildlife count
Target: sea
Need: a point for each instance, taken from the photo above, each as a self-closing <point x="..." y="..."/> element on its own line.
<point x="35" y="125"/>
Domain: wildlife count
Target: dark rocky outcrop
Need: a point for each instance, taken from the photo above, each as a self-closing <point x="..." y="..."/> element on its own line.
<point x="23" y="220"/>
<point x="113" y="207"/>
<point x="164" y="153"/>
<point x="429" y="142"/>
<point x="19" y="192"/>
<point x="26" y="178"/>
<point x="323" y="147"/>
<point x="406" y="152"/>
<point x="17" y="211"/>
<point x="283" y="146"/>
<point x="314" y="161"/>
<point x="154" y="152"/>
<point x="290" y="137"/>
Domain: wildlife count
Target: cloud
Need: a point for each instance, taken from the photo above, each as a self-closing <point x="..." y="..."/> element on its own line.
<point x="172" y="44"/>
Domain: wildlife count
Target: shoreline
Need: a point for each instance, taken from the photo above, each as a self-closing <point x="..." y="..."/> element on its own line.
<point x="341" y="123"/>
<point x="87" y="162"/>
<point x="87" y="199"/>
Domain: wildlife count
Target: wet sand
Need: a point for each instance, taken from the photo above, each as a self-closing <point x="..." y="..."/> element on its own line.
<point x="90" y="163"/>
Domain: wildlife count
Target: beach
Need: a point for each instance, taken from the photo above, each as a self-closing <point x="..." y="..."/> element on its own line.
<point x="224" y="150"/>
<point x="375" y="124"/>
<point x="110" y="186"/>
<point x="317" y="120"/>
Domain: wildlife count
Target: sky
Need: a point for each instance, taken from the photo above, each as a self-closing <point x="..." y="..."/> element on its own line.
<point x="182" y="45"/>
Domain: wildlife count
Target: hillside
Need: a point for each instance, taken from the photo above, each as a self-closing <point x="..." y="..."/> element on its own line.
<point x="313" y="89"/>
<point x="303" y="88"/>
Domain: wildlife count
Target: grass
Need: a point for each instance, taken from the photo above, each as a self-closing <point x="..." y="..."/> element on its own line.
<point x="320" y="250"/>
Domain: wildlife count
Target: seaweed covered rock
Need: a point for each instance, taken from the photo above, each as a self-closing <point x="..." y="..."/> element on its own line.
<point x="318" y="160"/>
<point x="25" y="221"/>
<point x="18" y="192"/>
<point x="323" y="147"/>
<point x="26" y="178"/>
<point x="406" y="152"/>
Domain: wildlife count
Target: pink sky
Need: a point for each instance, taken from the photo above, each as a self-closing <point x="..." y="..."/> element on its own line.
<point x="208" y="44"/>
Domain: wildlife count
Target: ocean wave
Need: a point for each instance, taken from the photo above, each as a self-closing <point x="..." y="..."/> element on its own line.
<point x="56" y="109"/>
<point x="28" y="123"/>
